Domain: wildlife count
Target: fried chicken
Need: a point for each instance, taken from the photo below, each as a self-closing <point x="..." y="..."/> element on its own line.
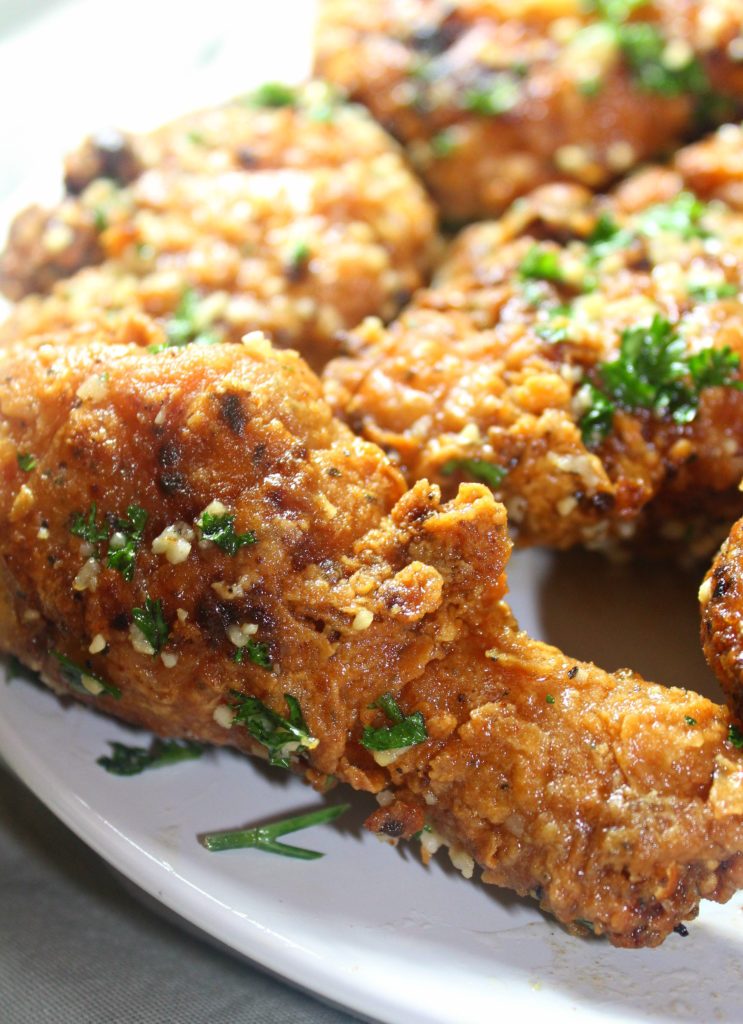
<point x="493" y="98"/>
<point x="286" y="211"/>
<point x="582" y="356"/>
<point x="721" y="606"/>
<point x="188" y="538"/>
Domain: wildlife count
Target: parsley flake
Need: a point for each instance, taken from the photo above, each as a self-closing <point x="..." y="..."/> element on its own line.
<point x="711" y="291"/>
<point x="220" y="530"/>
<point x="541" y="264"/>
<point x="735" y="736"/>
<point x="689" y="720"/>
<point x="256" y="652"/>
<point x="405" y="731"/>
<point x="125" y="760"/>
<point x="264" y="837"/>
<point x="85" y="526"/>
<point x="83" y="680"/>
<point x="499" y="95"/>
<point x="26" y="461"/>
<point x="151" y="622"/>
<point x="549" y="699"/>
<point x="274" y="95"/>
<point x="282" y="737"/>
<point x="123" y="545"/>
<point x="188" y="325"/>
<point x="487" y="472"/>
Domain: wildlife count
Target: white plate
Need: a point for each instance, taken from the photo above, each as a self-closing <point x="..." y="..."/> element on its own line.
<point x="367" y="927"/>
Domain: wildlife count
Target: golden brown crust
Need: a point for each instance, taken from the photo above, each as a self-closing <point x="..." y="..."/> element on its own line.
<point x="297" y="220"/>
<point x="592" y="792"/>
<point x="493" y="99"/>
<point x="490" y="365"/>
<point x="721" y="608"/>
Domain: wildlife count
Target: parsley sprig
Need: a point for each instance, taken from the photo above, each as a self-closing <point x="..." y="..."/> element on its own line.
<point x="541" y="264"/>
<point x="653" y="372"/>
<point x="282" y="737"/>
<point x="265" y="837"/>
<point x="220" y="530"/>
<point x="151" y="621"/>
<point x="83" y="680"/>
<point x="487" y="472"/>
<point x="405" y="730"/>
<point x="85" y="526"/>
<point x="126" y="760"/>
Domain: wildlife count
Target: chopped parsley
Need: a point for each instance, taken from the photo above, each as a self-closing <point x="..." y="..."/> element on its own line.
<point x="264" y="837"/>
<point x="681" y="216"/>
<point x="187" y="325"/>
<point x="735" y="736"/>
<point x="273" y="94"/>
<point x="125" y="760"/>
<point x="487" y="472"/>
<point x="84" y="681"/>
<point x="26" y="461"/>
<point x="405" y="731"/>
<point x="653" y="372"/>
<point x="541" y="264"/>
<point x="85" y="527"/>
<point x="220" y="530"/>
<point x="256" y="652"/>
<point x="151" y="622"/>
<point x="712" y="291"/>
<point x="549" y="699"/>
<point x="282" y="737"/>
<point x="123" y="535"/>
<point x="499" y="95"/>
<point x="127" y="538"/>
<point x="689" y="720"/>
<point x="645" y="49"/>
<point x="443" y="144"/>
<point x="297" y="260"/>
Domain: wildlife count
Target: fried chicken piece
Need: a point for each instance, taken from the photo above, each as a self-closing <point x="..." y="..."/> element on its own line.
<point x="494" y="98"/>
<point x="580" y="355"/>
<point x="714" y="166"/>
<point x="721" y="607"/>
<point x="318" y="587"/>
<point x="288" y="212"/>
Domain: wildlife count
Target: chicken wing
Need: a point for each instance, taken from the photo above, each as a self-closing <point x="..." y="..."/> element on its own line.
<point x="493" y="98"/>
<point x="189" y="540"/>
<point x="582" y="356"/>
<point x="285" y="210"/>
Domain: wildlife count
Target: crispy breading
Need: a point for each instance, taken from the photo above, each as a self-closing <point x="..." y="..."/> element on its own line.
<point x="494" y="98"/>
<point x="721" y="608"/>
<point x="494" y="371"/>
<point x="592" y="792"/>
<point x="296" y="219"/>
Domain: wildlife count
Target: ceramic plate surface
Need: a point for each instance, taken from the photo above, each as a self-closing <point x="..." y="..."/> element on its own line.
<point x="367" y="927"/>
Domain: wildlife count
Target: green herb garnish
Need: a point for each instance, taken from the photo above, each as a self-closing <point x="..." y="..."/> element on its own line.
<point x="645" y="50"/>
<point x="128" y="537"/>
<point x="83" y="680"/>
<point x="653" y="372"/>
<point x="125" y="760"/>
<point x="689" y="720"/>
<point x="256" y="652"/>
<point x="405" y="731"/>
<point x="541" y="264"/>
<point x="487" y="472"/>
<point x="85" y="526"/>
<point x="264" y="837"/>
<point x="297" y="259"/>
<point x="712" y="291"/>
<point x="735" y="736"/>
<point x="151" y="622"/>
<point x="220" y="530"/>
<point x="549" y="699"/>
<point x="681" y="216"/>
<point x="273" y="94"/>
<point x="186" y="326"/>
<point x="26" y="461"/>
<point x="443" y="144"/>
<point x="282" y="737"/>
<point x="498" y="96"/>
